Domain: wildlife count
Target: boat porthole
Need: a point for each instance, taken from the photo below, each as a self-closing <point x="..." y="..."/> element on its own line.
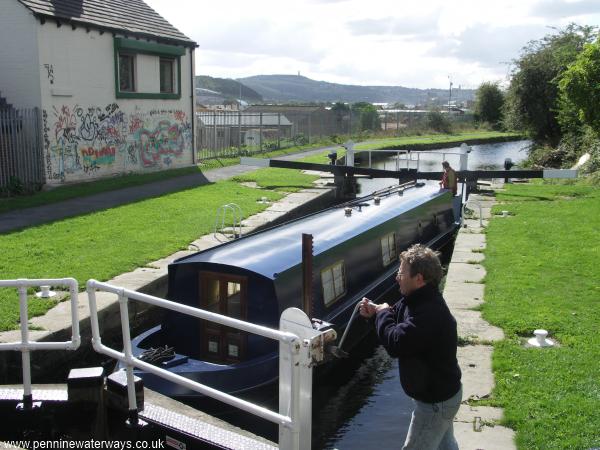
<point x="420" y="229"/>
<point x="435" y="220"/>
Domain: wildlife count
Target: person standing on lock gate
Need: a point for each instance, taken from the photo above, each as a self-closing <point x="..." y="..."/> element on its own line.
<point x="420" y="331"/>
<point x="450" y="182"/>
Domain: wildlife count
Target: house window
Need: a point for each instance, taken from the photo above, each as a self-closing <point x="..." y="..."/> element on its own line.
<point x="126" y="73"/>
<point x="167" y="80"/>
<point x="333" y="280"/>
<point x="388" y="249"/>
<point x="148" y="70"/>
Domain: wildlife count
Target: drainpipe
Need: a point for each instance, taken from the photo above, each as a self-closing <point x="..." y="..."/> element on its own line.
<point x="193" y="98"/>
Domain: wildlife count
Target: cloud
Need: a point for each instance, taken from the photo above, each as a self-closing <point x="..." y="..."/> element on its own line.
<point x="487" y="45"/>
<point x="561" y="9"/>
<point x="259" y="37"/>
<point x="396" y="26"/>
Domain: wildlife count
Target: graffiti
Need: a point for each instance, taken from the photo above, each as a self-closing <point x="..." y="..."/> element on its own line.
<point x="95" y="140"/>
<point x="179" y="116"/>
<point x="165" y="141"/>
<point x="102" y="157"/>
<point x="50" y="70"/>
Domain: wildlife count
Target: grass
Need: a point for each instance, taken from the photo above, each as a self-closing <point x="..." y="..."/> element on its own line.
<point x="107" y="243"/>
<point x="542" y="272"/>
<point x="283" y="180"/>
<point x="67" y="192"/>
<point x="442" y="139"/>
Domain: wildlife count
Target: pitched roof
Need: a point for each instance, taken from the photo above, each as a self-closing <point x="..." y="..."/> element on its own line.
<point x="129" y="16"/>
<point x="226" y="118"/>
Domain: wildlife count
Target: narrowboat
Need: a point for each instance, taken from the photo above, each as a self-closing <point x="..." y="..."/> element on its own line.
<point x="256" y="277"/>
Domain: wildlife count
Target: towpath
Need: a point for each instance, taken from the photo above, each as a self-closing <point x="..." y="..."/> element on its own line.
<point x="475" y="427"/>
<point x="18" y="219"/>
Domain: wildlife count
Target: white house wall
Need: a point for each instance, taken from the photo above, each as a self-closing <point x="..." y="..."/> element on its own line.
<point x="19" y="69"/>
<point x="88" y="132"/>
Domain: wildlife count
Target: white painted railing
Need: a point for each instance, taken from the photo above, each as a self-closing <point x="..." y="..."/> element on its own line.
<point x="25" y="346"/>
<point x="295" y="352"/>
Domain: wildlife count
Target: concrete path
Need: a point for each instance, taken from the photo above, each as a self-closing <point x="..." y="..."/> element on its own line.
<point x="18" y="219"/>
<point x="475" y="427"/>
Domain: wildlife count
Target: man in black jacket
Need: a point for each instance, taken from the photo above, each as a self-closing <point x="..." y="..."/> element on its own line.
<point x="420" y="331"/>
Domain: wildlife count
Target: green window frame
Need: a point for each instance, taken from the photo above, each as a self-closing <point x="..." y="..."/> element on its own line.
<point x="123" y="46"/>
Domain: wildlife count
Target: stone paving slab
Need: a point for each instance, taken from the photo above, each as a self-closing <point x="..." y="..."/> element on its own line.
<point x="459" y="295"/>
<point x="468" y="413"/>
<point x="466" y="256"/>
<point x="476" y="365"/>
<point x="489" y="438"/>
<point x="472" y="326"/>
<point x="469" y="241"/>
<point x="467" y="273"/>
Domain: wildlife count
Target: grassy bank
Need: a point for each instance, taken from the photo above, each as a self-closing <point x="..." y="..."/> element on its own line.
<point x="107" y="243"/>
<point x="542" y="265"/>
<point x="431" y="141"/>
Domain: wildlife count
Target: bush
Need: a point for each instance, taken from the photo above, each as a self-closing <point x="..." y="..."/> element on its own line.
<point x="439" y="122"/>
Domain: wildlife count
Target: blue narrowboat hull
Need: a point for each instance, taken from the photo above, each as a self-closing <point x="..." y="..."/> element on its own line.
<point x="274" y="285"/>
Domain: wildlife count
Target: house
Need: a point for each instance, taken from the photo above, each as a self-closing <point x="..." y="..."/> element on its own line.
<point x="222" y="129"/>
<point x="112" y="80"/>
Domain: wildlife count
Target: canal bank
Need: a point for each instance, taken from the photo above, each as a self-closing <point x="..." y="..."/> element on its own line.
<point x="475" y="427"/>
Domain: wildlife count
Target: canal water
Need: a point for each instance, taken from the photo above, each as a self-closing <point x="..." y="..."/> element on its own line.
<point x="362" y="405"/>
<point x="481" y="157"/>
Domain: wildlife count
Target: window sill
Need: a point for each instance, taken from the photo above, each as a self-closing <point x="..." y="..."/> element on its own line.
<point x="144" y="95"/>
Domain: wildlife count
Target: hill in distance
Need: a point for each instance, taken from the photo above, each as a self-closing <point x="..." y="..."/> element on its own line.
<point x="228" y="88"/>
<point x="296" y="88"/>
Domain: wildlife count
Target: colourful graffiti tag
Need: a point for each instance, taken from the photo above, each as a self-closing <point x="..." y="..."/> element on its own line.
<point x="102" y="157"/>
<point x="88" y="140"/>
<point x="164" y="141"/>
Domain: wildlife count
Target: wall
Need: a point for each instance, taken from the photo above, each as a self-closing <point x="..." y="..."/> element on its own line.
<point x="87" y="132"/>
<point x="19" y="69"/>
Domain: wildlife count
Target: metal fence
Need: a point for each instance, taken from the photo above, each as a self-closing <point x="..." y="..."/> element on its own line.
<point x="229" y="134"/>
<point x="21" y="156"/>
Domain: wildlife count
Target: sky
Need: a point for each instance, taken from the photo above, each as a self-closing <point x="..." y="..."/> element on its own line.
<point x="416" y="43"/>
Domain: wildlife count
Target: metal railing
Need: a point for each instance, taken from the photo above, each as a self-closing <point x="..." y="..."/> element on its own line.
<point x="295" y="364"/>
<point x="475" y="203"/>
<point x="21" y="157"/>
<point x="25" y="346"/>
<point x="236" y="220"/>
<point x="405" y="158"/>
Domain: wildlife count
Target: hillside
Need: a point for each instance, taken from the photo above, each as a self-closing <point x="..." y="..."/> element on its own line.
<point x="228" y="88"/>
<point x="294" y="88"/>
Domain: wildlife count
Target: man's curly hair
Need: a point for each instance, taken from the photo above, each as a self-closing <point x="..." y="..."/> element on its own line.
<point x="425" y="261"/>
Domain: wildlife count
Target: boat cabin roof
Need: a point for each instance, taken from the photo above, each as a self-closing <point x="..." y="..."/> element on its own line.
<point x="275" y="250"/>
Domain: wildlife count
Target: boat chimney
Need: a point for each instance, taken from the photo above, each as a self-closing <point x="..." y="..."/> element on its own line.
<point x="377" y="200"/>
<point x="348" y="211"/>
<point x="307" y="273"/>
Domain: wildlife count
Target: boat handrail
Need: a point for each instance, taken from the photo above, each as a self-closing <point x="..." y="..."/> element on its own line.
<point x="25" y="345"/>
<point x="385" y="192"/>
<point x="294" y="430"/>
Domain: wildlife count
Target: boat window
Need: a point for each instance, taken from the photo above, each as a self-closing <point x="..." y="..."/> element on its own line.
<point x="223" y="294"/>
<point x="212" y="295"/>
<point x="333" y="280"/>
<point x="234" y="297"/>
<point x="388" y="249"/>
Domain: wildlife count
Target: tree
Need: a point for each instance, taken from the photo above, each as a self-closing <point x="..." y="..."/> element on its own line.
<point x="532" y="100"/>
<point x="368" y="116"/>
<point x="489" y="101"/>
<point x="436" y="120"/>
<point x="580" y="90"/>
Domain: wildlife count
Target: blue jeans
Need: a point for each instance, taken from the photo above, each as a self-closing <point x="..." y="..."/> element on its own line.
<point x="431" y="425"/>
